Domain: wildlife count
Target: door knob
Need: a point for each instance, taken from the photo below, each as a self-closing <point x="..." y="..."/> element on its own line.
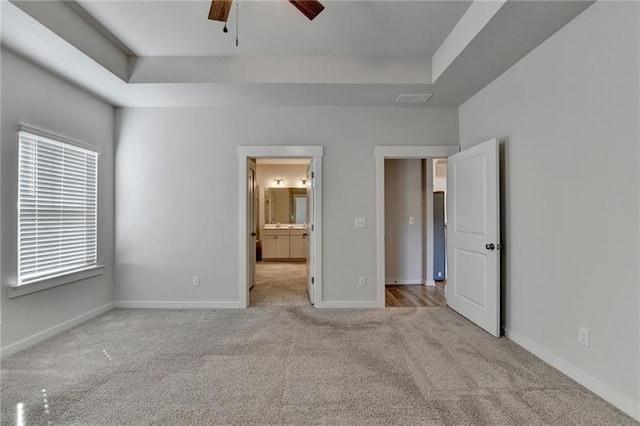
<point x="490" y="246"/>
<point x="253" y="234"/>
<point x="304" y="235"/>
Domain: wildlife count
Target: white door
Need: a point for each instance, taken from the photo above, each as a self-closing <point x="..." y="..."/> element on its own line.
<point x="251" y="223"/>
<point x="473" y="235"/>
<point x="310" y="233"/>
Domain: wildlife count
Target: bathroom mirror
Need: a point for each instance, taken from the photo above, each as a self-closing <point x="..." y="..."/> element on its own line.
<point x="285" y="205"/>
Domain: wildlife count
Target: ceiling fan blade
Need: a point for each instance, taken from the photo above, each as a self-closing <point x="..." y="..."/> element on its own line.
<point x="310" y="8"/>
<point x="220" y="10"/>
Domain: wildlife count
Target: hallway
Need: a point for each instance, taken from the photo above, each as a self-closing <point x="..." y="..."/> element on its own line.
<point x="415" y="295"/>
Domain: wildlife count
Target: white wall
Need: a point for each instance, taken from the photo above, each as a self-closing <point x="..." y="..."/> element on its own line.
<point x="403" y="193"/>
<point x="567" y="115"/>
<point x="177" y="199"/>
<point x="35" y="97"/>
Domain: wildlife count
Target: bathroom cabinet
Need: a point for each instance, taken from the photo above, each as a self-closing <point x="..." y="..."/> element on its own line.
<point x="298" y="243"/>
<point x="283" y="244"/>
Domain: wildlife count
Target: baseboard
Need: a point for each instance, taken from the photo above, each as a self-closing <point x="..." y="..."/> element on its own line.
<point x="131" y="304"/>
<point x="430" y="283"/>
<point x="603" y="391"/>
<point x="56" y="329"/>
<point x="348" y="305"/>
<point x="402" y="281"/>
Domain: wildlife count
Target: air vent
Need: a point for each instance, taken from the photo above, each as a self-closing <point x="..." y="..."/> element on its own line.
<point x="416" y="98"/>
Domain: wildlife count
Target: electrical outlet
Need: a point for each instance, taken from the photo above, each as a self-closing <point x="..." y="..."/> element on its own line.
<point x="362" y="281"/>
<point x="195" y="281"/>
<point x="411" y="220"/>
<point x="360" y="222"/>
<point x="583" y="336"/>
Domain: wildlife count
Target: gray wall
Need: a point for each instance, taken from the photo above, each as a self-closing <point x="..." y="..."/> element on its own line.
<point x="568" y="118"/>
<point x="35" y="97"/>
<point x="403" y="196"/>
<point x="177" y="201"/>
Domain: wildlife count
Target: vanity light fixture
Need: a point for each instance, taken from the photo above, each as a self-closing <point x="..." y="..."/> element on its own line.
<point x="303" y="181"/>
<point x="278" y="181"/>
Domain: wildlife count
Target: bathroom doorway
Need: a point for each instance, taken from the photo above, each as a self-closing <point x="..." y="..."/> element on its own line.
<point x="282" y="233"/>
<point x="280" y="237"/>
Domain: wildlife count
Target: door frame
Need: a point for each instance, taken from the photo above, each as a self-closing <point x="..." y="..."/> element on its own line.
<point x="251" y="219"/>
<point x="315" y="153"/>
<point x="396" y="152"/>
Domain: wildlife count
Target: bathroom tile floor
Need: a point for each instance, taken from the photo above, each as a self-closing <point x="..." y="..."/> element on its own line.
<point x="280" y="284"/>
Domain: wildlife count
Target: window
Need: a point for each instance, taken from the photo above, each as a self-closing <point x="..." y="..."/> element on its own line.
<point x="57" y="208"/>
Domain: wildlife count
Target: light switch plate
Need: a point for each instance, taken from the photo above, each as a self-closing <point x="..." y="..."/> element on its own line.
<point x="360" y="222"/>
<point x="584" y="336"/>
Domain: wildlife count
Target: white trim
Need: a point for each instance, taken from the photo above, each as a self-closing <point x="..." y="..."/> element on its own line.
<point x="55" y="281"/>
<point x="317" y="236"/>
<point x="281" y="151"/>
<point x="594" y="385"/>
<point x="382" y="153"/>
<point x="57" y="138"/>
<point x="314" y="152"/>
<point x="347" y="305"/>
<point x="429" y="283"/>
<point x="418" y="151"/>
<point x="56" y="329"/>
<point x="153" y="304"/>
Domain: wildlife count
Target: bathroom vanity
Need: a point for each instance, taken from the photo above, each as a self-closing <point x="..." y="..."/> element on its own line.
<point x="287" y="242"/>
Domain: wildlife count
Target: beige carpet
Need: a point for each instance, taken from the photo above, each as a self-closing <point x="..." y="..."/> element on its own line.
<point x="290" y="365"/>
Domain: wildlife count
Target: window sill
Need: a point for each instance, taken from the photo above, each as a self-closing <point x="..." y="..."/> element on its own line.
<point x="24" y="289"/>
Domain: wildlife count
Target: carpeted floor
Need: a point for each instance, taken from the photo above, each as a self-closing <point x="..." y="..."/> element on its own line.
<point x="289" y="365"/>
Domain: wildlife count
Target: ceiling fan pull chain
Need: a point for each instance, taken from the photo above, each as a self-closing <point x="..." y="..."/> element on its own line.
<point x="237" y="19"/>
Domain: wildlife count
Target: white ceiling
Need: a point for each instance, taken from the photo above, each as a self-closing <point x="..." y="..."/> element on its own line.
<point x="276" y="27"/>
<point x="156" y="53"/>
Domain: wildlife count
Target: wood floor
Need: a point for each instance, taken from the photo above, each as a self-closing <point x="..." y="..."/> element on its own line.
<point x="416" y="295"/>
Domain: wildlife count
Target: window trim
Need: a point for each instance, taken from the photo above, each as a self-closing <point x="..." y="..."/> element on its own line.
<point x="65" y="277"/>
<point x="57" y="138"/>
<point x="55" y="281"/>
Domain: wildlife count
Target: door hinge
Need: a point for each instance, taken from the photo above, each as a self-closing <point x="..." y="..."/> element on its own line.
<point x="313" y="227"/>
<point x="313" y="280"/>
<point x="313" y="175"/>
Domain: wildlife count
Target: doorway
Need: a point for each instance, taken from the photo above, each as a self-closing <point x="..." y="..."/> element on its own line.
<point x="418" y="286"/>
<point x="285" y="255"/>
<point x="473" y="249"/>
<point x="282" y="192"/>
<point x="415" y="232"/>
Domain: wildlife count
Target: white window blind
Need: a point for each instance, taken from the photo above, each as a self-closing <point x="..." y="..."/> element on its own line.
<point x="57" y="208"/>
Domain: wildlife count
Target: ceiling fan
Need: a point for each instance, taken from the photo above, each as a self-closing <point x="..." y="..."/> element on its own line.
<point x="220" y="9"/>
